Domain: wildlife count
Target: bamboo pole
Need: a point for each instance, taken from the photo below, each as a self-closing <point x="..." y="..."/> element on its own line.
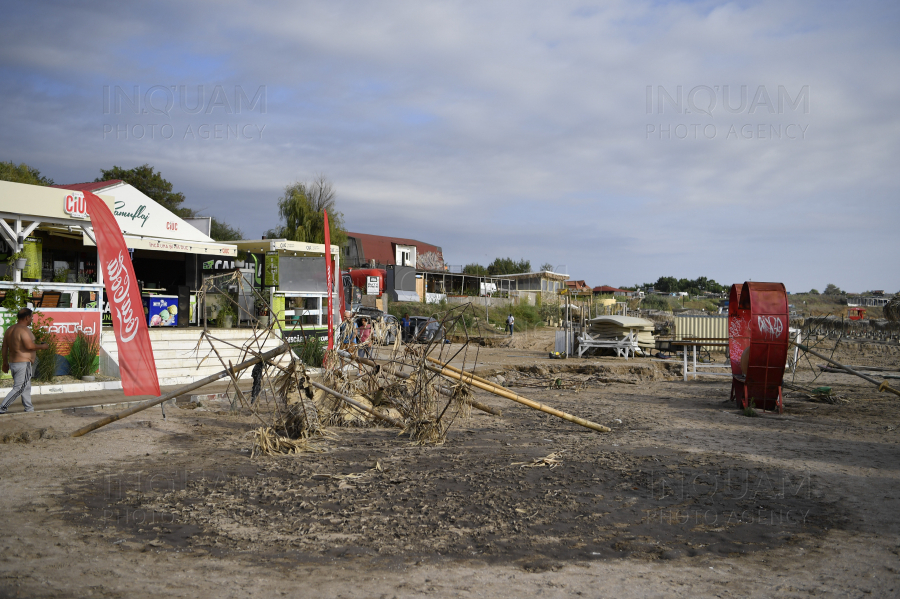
<point x="369" y="362"/>
<point x="358" y="405"/>
<point x="519" y="399"/>
<point x="461" y="371"/>
<point x="882" y="385"/>
<point x="180" y="391"/>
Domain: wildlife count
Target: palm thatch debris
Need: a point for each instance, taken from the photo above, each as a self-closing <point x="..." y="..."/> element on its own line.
<point x="266" y="441"/>
<point x="552" y="461"/>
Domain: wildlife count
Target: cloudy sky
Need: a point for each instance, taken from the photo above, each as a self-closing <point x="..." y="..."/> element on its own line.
<point x="619" y="142"/>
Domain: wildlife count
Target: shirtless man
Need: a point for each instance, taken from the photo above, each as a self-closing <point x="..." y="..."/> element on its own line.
<point x="19" y="355"/>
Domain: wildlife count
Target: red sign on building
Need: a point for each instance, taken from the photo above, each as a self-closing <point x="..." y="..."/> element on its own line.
<point x="75" y="205"/>
<point x="66" y="325"/>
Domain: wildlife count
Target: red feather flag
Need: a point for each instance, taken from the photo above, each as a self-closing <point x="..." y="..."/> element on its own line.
<point x="329" y="283"/>
<point x="136" y="363"/>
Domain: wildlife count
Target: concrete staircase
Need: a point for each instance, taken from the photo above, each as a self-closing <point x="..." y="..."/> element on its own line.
<point x="177" y="360"/>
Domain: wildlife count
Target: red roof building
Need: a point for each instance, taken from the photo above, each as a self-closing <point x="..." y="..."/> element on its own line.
<point x="92" y="187"/>
<point x="362" y="248"/>
<point x="606" y="290"/>
<point x="578" y="287"/>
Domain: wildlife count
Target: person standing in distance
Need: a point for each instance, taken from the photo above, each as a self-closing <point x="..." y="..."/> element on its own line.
<point x="404" y="326"/>
<point x="510" y="322"/>
<point x="365" y="332"/>
<point x="19" y="355"/>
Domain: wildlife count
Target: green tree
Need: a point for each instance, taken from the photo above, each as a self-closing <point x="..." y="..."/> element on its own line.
<point x="666" y="284"/>
<point x="22" y="174"/>
<point x="151" y="184"/>
<point x="222" y="231"/>
<point x="546" y="267"/>
<point x="508" y="266"/>
<point x="832" y="289"/>
<point x="301" y="209"/>
<point x="814" y="292"/>
<point x="475" y="269"/>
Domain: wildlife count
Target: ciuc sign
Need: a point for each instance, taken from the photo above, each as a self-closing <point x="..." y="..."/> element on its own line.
<point x="75" y="205"/>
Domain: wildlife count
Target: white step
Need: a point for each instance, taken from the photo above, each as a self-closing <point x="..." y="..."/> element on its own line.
<point x="177" y="356"/>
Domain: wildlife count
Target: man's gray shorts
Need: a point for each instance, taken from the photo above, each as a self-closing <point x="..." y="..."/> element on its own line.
<point x="21" y="373"/>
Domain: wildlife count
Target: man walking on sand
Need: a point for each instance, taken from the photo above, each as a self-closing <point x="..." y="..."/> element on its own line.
<point x="511" y="322"/>
<point x="19" y="355"/>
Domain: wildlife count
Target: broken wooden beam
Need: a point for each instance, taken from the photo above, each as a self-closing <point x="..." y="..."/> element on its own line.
<point x="182" y="390"/>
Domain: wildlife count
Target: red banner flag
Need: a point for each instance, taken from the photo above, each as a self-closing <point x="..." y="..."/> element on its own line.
<point x="342" y="301"/>
<point x="136" y="363"/>
<point x="329" y="283"/>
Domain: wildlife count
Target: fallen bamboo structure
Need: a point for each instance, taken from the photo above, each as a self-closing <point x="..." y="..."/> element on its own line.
<point x="491" y="388"/>
<point x="228" y="372"/>
<point x="461" y="371"/>
<point x="882" y="385"/>
<point x="231" y="373"/>
<point x="444" y="391"/>
<point x="358" y="405"/>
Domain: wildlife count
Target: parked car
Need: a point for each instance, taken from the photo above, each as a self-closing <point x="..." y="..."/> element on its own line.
<point x="425" y="329"/>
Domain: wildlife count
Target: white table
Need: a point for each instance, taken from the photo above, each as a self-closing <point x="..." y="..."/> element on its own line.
<point x="695" y="343"/>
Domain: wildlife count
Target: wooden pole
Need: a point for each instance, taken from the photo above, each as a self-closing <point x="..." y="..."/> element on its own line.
<point x="461" y="371"/>
<point x="181" y="390"/>
<point x="519" y="399"/>
<point x="882" y="385"/>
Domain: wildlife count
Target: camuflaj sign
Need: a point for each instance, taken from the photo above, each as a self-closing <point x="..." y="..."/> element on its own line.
<point x="138" y="214"/>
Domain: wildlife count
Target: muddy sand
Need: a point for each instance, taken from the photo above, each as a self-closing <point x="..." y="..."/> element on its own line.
<point x="685" y="497"/>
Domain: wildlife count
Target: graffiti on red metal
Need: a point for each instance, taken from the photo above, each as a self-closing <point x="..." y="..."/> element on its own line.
<point x="737" y="327"/>
<point x="770" y="326"/>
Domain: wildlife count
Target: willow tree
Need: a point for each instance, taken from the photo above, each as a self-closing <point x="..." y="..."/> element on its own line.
<point x="301" y="209"/>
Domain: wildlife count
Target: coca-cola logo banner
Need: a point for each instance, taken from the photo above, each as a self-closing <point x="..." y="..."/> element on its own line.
<point x="119" y="284"/>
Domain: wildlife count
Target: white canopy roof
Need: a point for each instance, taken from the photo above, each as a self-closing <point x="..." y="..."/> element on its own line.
<point x="146" y="224"/>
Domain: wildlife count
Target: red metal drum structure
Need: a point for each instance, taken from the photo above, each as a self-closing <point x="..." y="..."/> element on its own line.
<point x="758" y="339"/>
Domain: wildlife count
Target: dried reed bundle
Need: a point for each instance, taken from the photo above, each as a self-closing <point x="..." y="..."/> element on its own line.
<point x="301" y="418"/>
<point x="553" y="460"/>
<point x="268" y="442"/>
<point x="427" y="432"/>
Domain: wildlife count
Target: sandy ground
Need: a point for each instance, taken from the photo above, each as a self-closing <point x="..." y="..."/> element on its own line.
<point x="686" y="497"/>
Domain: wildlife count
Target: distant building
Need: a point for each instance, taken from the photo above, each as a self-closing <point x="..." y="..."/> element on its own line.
<point x="544" y="282"/>
<point x="362" y="249"/>
<point x="607" y="290"/>
<point x="578" y="287"/>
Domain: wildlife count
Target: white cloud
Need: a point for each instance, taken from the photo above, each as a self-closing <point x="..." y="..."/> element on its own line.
<point x="500" y="129"/>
